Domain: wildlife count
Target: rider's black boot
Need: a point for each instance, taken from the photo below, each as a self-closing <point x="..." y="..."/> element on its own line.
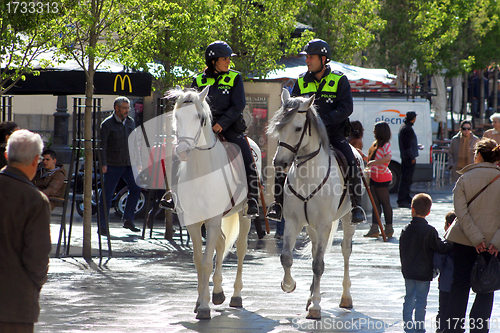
<point x="253" y="196"/>
<point x="355" y="189"/>
<point x="169" y="203"/>
<point x="252" y="208"/>
<point x="275" y="211"/>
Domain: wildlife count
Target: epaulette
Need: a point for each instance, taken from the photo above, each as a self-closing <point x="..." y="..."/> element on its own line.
<point x="303" y="74"/>
<point x="232" y="70"/>
<point x="336" y="72"/>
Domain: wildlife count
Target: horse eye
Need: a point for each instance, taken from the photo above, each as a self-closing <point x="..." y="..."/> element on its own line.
<point x="298" y="129"/>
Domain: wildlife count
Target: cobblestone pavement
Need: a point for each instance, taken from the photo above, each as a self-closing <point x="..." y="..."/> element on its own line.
<point x="150" y="285"/>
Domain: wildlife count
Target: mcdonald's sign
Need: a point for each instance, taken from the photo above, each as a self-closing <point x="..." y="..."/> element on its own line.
<point x="122" y="82"/>
<point x="73" y="83"/>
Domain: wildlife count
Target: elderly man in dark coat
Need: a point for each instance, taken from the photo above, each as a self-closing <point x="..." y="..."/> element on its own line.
<point x="24" y="235"/>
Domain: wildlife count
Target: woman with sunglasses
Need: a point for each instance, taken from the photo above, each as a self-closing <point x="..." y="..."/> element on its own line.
<point x="461" y="149"/>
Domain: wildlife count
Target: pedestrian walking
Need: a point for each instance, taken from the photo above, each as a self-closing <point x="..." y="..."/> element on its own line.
<point x="333" y="101"/>
<point x="461" y="151"/>
<point x="475" y="230"/>
<point x="417" y="244"/>
<point x="115" y="163"/>
<point x="443" y="263"/>
<point x="379" y="157"/>
<point x="24" y="235"/>
<point x="408" y="148"/>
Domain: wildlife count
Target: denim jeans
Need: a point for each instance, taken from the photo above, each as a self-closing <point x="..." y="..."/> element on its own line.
<point x="111" y="179"/>
<point x="415" y="299"/>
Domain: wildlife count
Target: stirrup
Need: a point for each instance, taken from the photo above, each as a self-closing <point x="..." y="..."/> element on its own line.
<point x="364" y="215"/>
<point x="176" y="208"/>
<point x="275" y="216"/>
<point x="251" y="216"/>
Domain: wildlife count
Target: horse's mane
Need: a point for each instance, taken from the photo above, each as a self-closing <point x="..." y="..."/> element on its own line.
<point x="191" y="96"/>
<point x="288" y="111"/>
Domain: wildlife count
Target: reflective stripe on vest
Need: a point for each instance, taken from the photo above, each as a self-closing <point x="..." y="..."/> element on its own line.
<point x="225" y="80"/>
<point x="312" y="87"/>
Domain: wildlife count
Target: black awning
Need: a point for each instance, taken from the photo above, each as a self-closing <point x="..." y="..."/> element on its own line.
<point x="73" y="83"/>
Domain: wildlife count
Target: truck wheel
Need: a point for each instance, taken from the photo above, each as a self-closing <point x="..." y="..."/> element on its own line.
<point x="396" y="177"/>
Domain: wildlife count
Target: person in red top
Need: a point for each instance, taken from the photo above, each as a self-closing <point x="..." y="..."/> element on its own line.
<point x="379" y="157"/>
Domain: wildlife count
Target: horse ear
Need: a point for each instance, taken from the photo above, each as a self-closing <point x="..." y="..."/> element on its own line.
<point x="285" y="96"/>
<point x="310" y="101"/>
<point x="203" y="93"/>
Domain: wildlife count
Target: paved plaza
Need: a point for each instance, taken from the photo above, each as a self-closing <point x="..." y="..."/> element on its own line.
<point x="150" y="285"/>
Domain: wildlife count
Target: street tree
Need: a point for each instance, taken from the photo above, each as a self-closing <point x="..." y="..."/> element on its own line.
<point x="258" y="32"/>
<point x="98" y="30"/>
<point x="347" y="26"/>
<point x="25" y="34"/>
<point x="430" y="36"/>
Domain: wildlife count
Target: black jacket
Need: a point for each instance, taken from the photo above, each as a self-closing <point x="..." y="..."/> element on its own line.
<point x="417" y="244"/>
<point x="226" y="103"/>
<point x="408" y="145"/>
<point x="334" y="110"/>
<point x="114" y="141"/>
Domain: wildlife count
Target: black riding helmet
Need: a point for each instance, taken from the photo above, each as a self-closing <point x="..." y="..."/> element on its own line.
<point x="218" y="49"/>
<point x="318" y="46"/>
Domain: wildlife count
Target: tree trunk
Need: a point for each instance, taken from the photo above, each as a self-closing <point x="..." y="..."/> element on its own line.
<point x="87" y="187"/>
<point x="481" y="96"/>
<point x="495" y="90"/>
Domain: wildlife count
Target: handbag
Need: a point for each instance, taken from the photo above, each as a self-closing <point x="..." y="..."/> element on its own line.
<point x="485" y="276"/>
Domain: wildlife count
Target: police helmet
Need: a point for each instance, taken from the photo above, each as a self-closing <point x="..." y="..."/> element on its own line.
<point x="218" y="49"/>
<point x="318" y="46"/>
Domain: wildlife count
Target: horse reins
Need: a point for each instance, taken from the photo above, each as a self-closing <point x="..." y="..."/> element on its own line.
<point x="186" y="139"/>
<point x="305" y="158"/>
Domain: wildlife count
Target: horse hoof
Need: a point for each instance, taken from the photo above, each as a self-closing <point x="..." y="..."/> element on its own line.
<point x="203" y="314"/>
<point x="346" y="303"/>
<point x="288" y="289"/>
<point x="218" y="298"/>
<point x="314" y="314"/>
<point x="196" y="307"/>
<point x="236" y="302"/>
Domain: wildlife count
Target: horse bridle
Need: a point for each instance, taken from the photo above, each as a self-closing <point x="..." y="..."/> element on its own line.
<point x="187" y="139"/>
<point x="305" y="158"/>
<point x="295" y="149"/>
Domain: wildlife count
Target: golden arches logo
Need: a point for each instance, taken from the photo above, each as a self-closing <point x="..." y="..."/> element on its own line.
<point x="122" y="82"/>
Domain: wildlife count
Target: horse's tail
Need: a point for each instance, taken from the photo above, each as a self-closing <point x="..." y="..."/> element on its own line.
<point x="231" y="228"/>
<point x="306" y="251"/>
<point x="335" y="225"/>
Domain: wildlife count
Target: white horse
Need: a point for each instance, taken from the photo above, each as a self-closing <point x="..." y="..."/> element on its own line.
<point x="315" y="193"/>
<point x="208" y="188"/>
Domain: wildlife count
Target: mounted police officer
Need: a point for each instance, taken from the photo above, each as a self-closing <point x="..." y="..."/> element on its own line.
<point x="226" y="97"/>
<point x="333" y="101"/>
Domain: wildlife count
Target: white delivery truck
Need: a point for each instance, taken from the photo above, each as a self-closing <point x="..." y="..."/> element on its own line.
<point x="370" y="110"/>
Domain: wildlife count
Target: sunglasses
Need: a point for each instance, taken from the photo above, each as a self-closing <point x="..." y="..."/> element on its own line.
<point x="466" y="128"/>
